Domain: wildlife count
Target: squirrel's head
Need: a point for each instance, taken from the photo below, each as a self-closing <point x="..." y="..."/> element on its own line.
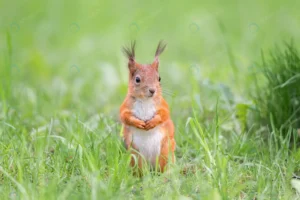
<point x="144" y="79"/>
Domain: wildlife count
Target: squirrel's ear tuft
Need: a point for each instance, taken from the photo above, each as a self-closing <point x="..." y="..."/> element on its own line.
<point x="160" y="48"/>
<point x="129" y="52"/>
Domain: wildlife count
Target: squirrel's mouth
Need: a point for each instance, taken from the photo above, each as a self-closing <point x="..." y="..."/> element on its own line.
<point x="150" y="95"/>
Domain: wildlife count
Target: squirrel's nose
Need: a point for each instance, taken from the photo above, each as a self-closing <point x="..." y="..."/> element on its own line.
<point x="152" y="90"/>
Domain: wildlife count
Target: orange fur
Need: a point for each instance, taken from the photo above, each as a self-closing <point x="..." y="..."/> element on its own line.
<point x="145" y="115"/>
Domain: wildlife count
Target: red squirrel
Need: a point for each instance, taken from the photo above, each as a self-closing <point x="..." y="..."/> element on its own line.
<point x="148" y="130"/>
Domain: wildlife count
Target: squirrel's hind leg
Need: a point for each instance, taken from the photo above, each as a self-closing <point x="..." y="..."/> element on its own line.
<point x="167" y="151"/>
<point x="136" y="161"/>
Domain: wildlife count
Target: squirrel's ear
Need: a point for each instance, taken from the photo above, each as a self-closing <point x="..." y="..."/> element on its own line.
<point x="130" y="54"/>
<point x="155" y="63"/>
<point x="160" y="48"/>
<point x="132" y="66"/>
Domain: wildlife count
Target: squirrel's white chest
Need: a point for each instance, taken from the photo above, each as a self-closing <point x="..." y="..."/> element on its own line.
<point x="147" y="142"/>
<point x="144" y="109"/>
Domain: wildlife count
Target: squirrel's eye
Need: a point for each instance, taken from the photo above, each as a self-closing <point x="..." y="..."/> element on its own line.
<point x="137" y="79"/>
<point x="159" y="79"/>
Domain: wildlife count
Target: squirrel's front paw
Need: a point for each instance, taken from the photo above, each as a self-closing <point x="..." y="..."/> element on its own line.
<point x="151" y="124"/>
<point x="140" y="124"/>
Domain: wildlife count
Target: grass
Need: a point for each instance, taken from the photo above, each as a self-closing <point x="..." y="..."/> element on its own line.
<point x="63" y="78"/>
<point x="279" y="102"/>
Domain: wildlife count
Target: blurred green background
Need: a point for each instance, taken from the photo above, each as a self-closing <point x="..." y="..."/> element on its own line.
<point x="70" y="50"/>
<point x="63" y="74"/>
